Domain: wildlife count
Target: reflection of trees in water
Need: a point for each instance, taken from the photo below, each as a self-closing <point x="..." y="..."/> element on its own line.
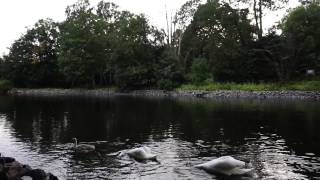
<point x="185" y="127"/>
<point x="46" y="120"/>
<point x="6" y="104"/>
<point x="294" y="120"/>
<point x="40" y="122"/>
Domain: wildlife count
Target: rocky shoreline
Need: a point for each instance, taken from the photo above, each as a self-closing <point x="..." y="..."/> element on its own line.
<point x="222" y="94"/>
<point x="11" y="169"/>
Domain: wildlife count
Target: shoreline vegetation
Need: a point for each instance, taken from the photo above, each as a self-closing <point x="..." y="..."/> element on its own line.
<point x="292" y="90"/>
<point x="5" y="86"/>
<point x="306" y="91"/>
<point x="208" y="46"/>
<point x="291" y="86"/>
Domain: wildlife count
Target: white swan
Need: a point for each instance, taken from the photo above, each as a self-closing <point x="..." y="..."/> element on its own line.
<point x="225" y="165"/>
<point x="142" y="153"/>
<point x="83" y="148"/>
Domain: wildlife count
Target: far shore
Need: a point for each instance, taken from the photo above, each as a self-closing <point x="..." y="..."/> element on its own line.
<point x="224" y="94"/>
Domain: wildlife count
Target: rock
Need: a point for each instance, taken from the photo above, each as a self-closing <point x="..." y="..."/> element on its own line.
<point x="10" y="169"/>
<point x="39" y="174"/>
<point x="5" y="160"/>
<point x="15" y="170"/>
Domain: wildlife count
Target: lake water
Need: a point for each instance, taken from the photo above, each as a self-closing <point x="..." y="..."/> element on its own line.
<point x="281" y="139"/>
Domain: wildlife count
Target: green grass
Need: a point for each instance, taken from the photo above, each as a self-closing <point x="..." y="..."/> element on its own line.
<point x="300" y="85"/>
<point x="5" y="86"/>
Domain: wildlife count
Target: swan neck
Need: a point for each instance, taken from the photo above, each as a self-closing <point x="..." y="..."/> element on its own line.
<point x="75" y="143"/>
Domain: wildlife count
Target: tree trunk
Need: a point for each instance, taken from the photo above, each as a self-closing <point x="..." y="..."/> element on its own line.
<point x="171" y="32"/>
<point x="236" y="22"/>
<point x="180" y="42"/>
<point x="256" y="18"/>
<point x="260" y="16"/>
<point x="168" y="29"/>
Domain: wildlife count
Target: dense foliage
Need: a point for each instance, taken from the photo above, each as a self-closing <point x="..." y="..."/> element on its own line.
<point x="5" y="86"/>
<point x="214" y="41"/>
<point x="32" y="60"/>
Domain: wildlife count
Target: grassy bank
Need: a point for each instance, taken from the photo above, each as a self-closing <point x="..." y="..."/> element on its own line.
<point x="292" y="86"/>
<point x="300" y="86"/>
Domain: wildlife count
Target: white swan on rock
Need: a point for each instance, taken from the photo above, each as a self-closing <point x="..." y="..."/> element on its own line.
<point x="83" y="148"/>
<point x="142" y="154"/>
<point x="225" y="165"/>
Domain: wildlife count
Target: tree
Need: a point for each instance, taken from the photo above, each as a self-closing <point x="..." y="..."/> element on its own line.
<point x="108" y="11"/>
<point x="268" y="59"/>
<point x="1" y="68"/>
<point x="168" y="71"/>
<point x="260" y="5"/>
<point x="258" y="8"/>
<point x="105" y="43"/>
<point x="296" y="50"/>
<point x="105" y="46"/>
<point x="307" y="2"/>
<point x="183" y="18"/>
<point x="199" y="72"/>
<point x="110" y="14"/>
<point x="82" y="46"/>
<point x="217" y="33"/>
<point x="133" y="52"/>
<point x="32" y="60"/>
<point x="302" y="30"/>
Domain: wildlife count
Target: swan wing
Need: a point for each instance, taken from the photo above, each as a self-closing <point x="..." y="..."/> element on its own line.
<point x="136" y="153"/>
<point x="225" y="165"/>
<point x="228" y="163"/>
<point x="148" y="153"/>
<point x="85" y="148"/>
<point x="150" y="156"/>
<point x="146" y="149"/>
<point x="208" y="165"/>
<point x="141" y="153"/>
<point x="26" y="178"/>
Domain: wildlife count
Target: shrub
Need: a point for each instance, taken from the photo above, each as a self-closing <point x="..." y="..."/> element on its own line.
<point x="5" y="86"/>
<point x="200" y="71"/>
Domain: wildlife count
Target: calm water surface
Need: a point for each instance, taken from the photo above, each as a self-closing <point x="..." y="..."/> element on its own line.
<point x="281" y="139"/>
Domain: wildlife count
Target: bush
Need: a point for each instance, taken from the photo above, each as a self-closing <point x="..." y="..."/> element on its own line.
<point x="200" y="71"/>
<point x="166" y="84"/>
<point x="298" y="85"/>
<point x="129" y="78"/>
<point x="5" y="86"/>
<point x="169" y="77"/>
<point x="168" y="71"/>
